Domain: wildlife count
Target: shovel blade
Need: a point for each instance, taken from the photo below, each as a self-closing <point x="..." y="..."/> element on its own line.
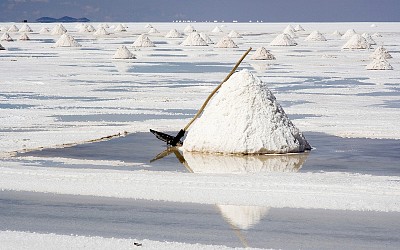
<point x="169" y="139"/>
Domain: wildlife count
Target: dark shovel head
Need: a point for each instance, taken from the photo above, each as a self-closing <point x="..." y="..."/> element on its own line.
<point x="169" y="139"/>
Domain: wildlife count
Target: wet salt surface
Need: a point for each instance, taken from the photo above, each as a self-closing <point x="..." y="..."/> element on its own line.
<point x="234" y="226"/>
<point x="330" y="154"/>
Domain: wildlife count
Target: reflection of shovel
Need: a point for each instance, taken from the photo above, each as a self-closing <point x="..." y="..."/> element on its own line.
<point x="175" y="141"/>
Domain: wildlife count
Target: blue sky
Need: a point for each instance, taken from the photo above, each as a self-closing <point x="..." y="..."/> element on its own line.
<point x="205" y="10"/>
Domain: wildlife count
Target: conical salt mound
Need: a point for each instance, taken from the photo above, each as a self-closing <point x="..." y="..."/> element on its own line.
<point x="217" y="30"/>
<point x="290" y="33"/>
<point x="1" y="47"/>
<point x="349" y="33"/>
<point x="337" y="33"/>
<point x="3" y="29"/>
<point x="143" y="41"/>
<point x="194" y="39"/>
<point x="24" y="37"/>
<point x="6" y="37"/>
<point x="298" y="28"/>
<point x="289" y="28"/>
<point x="25" y="28"/>
<point x="13" y="28"/>
<point x="377" y="35"/>
<point x="123" y="53"/>
<point x="173" y="34"/>
<point x="369" y="38"/>
<point x="206" y="38"/>
<point x="148" y="26"/>
<point x="262" y="54"/>
<point x="153" y="30"/>
<point x="90" y="28"/>
<point x="379" y="64"/>
<point x="67" y="40"/>
<point x="120" y="28"/>
<point x="315" y="36"/>
<point x="380" y="52"/>
<point x="44" y="30"/>
<point x="283" y="40"/>
<point x="101" y="32"/>
<point x="356" y="42"/>
<point x="226" y="42"/>
<point x="189" y="29"/>
<point x="244" y="118"/>
<point x="59" y="29"/>
<point x="83" y="29"/>
<point x="234" y="34"/>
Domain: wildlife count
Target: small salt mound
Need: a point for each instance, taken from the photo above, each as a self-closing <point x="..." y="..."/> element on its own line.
<point x="143" y="41"/>
<point x="103" y="25"/>
<point x="59" y="29"/>
<point x="377" y="35"/>
<point x="153" y="30"/>
<point x="173" y="33"/>
<point x="101" y="32"/>
<point x="189" y="29"/>
<point x="67" y="40"/>
<point x="379" y="64"/>
<point x="373" y="25"/>
<point x="217" y="30"/>
<point x="315" y="36"/>
<point x="283" y="40"/>
<point x="24" y="37"/>
<point x="120" y="28"/>
<point x="1" y="47"/>
<point x="290" y="33"/>
<point x="44" y="30"/>
<point x="83" y="29"/>
<point x="234" y="34"/>
<point x="289" y="28"/>
<point x="226" y="42"/>
<point x="194" y="39"/>
<point x="148" y="26"/>
<point x="337" y="33"/>
<point x="263" y="54"/>
<point x="244" y="118"/>
<point x="349" y="33"/>
<point x="123" y="53"/>
<point x="369" y="38"/>
<point x="298" y="28"/>
<point x="13" y="28"/>
<point x="206" y="38"/>
<point x="380" y="52"/>
<point x="25" y="28"/>
<point x="3" y="29"/>
<point x="90" y="28"/>
<point x="356" y="42"/>
<point x="6" y="37"/>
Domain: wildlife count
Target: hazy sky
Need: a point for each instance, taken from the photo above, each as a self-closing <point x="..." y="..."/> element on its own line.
<point x="204" y="10"/>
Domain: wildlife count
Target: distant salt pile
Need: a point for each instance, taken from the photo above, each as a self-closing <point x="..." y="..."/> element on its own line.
<point x="298" y="28"/>
<point x="283" y="40"/>
<point x="44" y="30"/>
<point x="349" y="33"/>
<point x="143" y="41"/>
<point x="67" y="40"/>
<point x="337" y="33"/>
<point x="90" y="28"/>
<point x="194" y="39"/>
<point x="290" y="33"/>
<point x="59" y="29"/>
<point x="356" y="42"/>
<point x="369" y="39"/>
<point x="206" y="38"/>
<point x="120" y="28"/>
<point x="148" y="26"/>
<point x="380" y="52"/>
<point x="1" y="47"/>
<point x="103" y="25"/>
<point x="373" y="25"/>
<point x="377" y="35"/>
<point x="244" y="118"/>
<point x="262" y="54"/>
<point x="123" y="53"/>
<point x="13" y="28"/>
<point x="24" y="37"/>
<point x="189" y="29"/>
<point x="3" y="29"/>
<point x="217" y="30"/>
<point x="226" y="42"/>
<point x="83" y="29"/>
<point x="153" y="31"/>
<point x="173" y="33"/>
<point x="379" y="64"/>
<point x="25" y="28"/>
<point x="289" y="28"/>
<point x="234" y="34"/>
<point x="6" y="37"/>
<point x="315" y="36"/>
<point x="101" y="32"/>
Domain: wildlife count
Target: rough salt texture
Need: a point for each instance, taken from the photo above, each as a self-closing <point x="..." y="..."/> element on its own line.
<point x="244" y="118"/>
<point x="67" y="41"/>
<point x="173" y="34"/>
<point x="380" y="52"/>
<point x="143" y="41"/>
<point x="262" y="54"/>
<point x="123" y="53"/>
<point x="356" y="42"/>
<point x="379" y="64"/>
<point x="283" y="40"/>
<point x="194" y="39"/>
<point x="369" y="39"/>
<point x="226" y="42"/>
<point x="315" y="36"/>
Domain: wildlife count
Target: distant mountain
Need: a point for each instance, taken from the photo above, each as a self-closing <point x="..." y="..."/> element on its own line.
<point x="65" y="19"/>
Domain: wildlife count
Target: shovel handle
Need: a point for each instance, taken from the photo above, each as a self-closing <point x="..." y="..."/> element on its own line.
<point x="216" y="89"/>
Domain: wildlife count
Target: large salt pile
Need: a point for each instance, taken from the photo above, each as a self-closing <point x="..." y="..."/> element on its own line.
<point x="380" y="52"/>
<point x="298" y="28"/>
<point x="24" y="37"/>
<point x="226" y="42"/>
<point x="59" y="29"/>
<point x="120" y="28"/>
<point x="244" y="118"/>
<point x="173" y="34"/>
<point x="123" y="53"/>
<point x="206" y="38"/>
<point x="13" y="28"/>
<point x="262" y="54"/>
<point x="315" y="36"/>
<point x="283" y="40"/>
<point x="44" y="30"/>
<point x="6" y="37"/>
<point x="369" y="39"/>
<point x="67" y="40"/>
<point x="25" y="28"/>
<point x="101" y="32"/>
<point x="356" y="42"/>
<point x="143" y="41"/>
<point x="349" y="33"/>
<point x="379" y="64"/>
<point x="217" y="30"/>
<point x="1" y="47"/>
<point x="194" y="39"/>
<point x="189" y="29"/>
<point x="234" y="34"/>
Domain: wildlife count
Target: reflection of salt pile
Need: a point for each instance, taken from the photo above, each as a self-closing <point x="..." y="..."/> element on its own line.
<point x="189" y="29"/>
<point x="226" y="42"/>
<point x="262" y="54"/>
<point x="173" y="34"/>
<point x="101" y="32"/>
<point x="349" y="33"/>
<point x="194" y="39"/>
<point x="153" y="31"/>
<point x="244" y="118"/>
<point x="44" y="30"/>
<point x="59" y="29"/>
<point x="217" y="30"/>
<point x="283" y="40"/>
<point x="24" y="37"/>
<point x="298" y="28"/>
<point x="356" y="42"/>
<point x="243" y="217"/>
<point x="234" y="34"/>
<point x="1" y="47"/>
<point x="379" y="64"/>
<point x="369" y="38"/>
<point x="67" y="40"/>
<point x="6" y="37"/>
<point x="123" y="53"/>
<point x="25" y="28"/>
<point x="143" y="41"/>
<point x="120" y="28"/>
<point x="315" y="36"/>
<point x="206" y="38"/>
<point x="13" y="28"/>
<point x="380" y="52"/>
